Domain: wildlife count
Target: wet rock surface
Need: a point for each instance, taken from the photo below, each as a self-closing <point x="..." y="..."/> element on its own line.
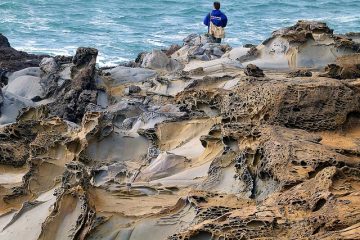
<point x="212" y="150"/>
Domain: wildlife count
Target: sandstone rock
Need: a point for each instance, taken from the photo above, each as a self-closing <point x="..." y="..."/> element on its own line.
<point x="339" y="72"/>
<point x="306" y="44"/>
<point x="299" y="73"/>
<point x="208" y="152"/>
<point x="303" y="30"/>
<point x="347" y="67"/>
<point x="252" y="54"/>
<point x="132" y="89"/>
<point x="173" y="48"/>
<point x="159" y="60"/>
<point x="253" y="71"/>
<point x="122" y="75"/>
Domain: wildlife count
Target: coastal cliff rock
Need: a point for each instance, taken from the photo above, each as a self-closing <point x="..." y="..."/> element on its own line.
<point x="306" y="44"/>
<point x="346" y="67"/>
<point x="221" y="148"/>
<point x="199" y="47"/>
<point x="73" y="97"/>
<point x="14" y="60"/>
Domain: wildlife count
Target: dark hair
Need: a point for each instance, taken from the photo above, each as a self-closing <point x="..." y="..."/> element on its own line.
<point x="217" y="5"/>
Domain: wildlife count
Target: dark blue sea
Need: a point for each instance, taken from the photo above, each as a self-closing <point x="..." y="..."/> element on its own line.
<point x="122" y="29"/>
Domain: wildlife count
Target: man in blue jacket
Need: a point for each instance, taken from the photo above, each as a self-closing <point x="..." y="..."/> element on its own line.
<point x="216" y="22"/>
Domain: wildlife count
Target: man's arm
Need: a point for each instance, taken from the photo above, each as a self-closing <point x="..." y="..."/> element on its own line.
<point x="224" y="20"/>
<point x="207" y="20"/>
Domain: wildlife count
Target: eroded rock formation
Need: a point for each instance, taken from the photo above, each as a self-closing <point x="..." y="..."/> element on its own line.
<point x="14" y="60"/>
<point x="211" y="150"/>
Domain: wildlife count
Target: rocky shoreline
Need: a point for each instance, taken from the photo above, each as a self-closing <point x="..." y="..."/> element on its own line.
<point x="199" y="141"/>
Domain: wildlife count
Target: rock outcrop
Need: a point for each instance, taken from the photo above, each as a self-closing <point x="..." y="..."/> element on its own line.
<point x="14" y="60"/>
<point x="73" y="97"/>
<point x="158" y="60"/>
<point x="201" y="48"/>
<point x="221" y="148"/>
<point x="347" y="67"/>
<point x="253" y="71"/>
<point x="306" y="44"/>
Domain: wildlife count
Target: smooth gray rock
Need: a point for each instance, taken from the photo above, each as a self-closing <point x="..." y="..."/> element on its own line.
<point x="158" y="60"/>
<point x="25" y="86"/>
<point x="199" y="51"/>
<point x="122" y="75"/>
<point x="217" y="52"/>
<point x="11" y="107"/>
<point x="31" y="71"/>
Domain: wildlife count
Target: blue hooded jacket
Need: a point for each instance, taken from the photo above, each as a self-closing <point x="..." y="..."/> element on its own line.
<point x="217" y="18"/>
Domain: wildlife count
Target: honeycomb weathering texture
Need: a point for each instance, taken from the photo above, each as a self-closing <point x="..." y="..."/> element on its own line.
<point x="226" y="148"/>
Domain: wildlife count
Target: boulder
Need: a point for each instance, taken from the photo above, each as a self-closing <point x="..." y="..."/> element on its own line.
<point x="158" y="60"/>
<point x="299" y="73"/>
<point x="132" y="89"/>
<point x="253" y="71"/>
<point x="200" y="47"/>
<point x="25" y="86"/>
<point x="173" y="48"/>
<point x="49" y="65"/>
<point x="342" y="72"/>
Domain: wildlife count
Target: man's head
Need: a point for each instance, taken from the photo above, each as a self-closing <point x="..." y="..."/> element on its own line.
<point x="217" y="5"/>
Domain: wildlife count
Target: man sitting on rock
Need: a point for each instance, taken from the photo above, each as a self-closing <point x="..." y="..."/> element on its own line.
<point x="216" y="22"/>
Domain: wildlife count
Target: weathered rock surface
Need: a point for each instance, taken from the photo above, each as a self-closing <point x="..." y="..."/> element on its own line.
<point x="201" y="48"/>
<point x="158" y="60"/>
<point x="121" y="75"/>
<point x="253" y="71"/>
<point x="49" y="65"/>
<point x="73" y="97"/>
<point x="299" y="73"/>
<point x="14" y="60"/>
<point x="215" y="151"/>
<point x="306" y="44"/>
<point x="347" y="67"/>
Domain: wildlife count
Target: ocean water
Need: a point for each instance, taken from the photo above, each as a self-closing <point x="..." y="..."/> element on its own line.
<point x="122" y="29"/>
